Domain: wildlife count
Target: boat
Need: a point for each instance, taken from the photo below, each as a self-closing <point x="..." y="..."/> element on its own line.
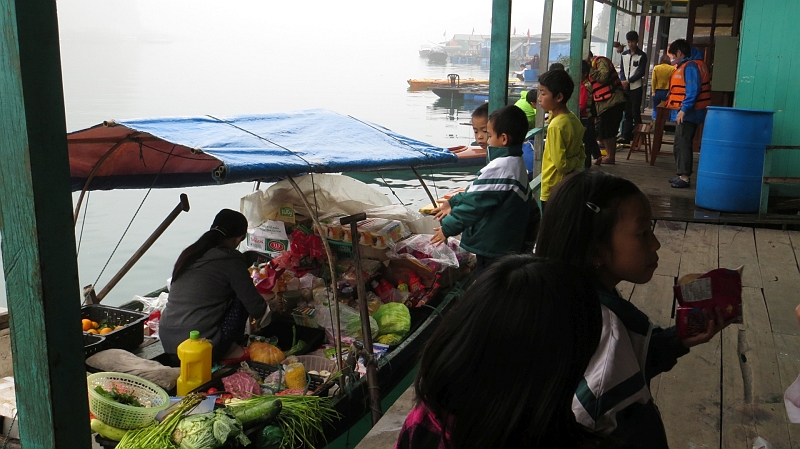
<point x="210" y="150"/>
<point x="424" y="51"/>
<point x="475" y="94"/>
<point x="438" y="55"/>
<point x="469" y="155"/>
<point x="427" y="83"/>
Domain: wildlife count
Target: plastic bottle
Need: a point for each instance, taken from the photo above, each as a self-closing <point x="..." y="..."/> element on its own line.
<point x="195" y="355"/>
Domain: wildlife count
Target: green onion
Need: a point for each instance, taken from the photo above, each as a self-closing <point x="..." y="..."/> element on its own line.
<point x="159" y="436"/>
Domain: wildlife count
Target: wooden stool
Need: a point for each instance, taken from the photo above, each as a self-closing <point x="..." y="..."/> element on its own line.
<point x="641" y="138"/>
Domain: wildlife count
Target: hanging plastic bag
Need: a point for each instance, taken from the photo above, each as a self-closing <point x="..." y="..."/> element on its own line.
<point x="436" y="256"/>
<point x="792" y="401"/>
<point x="153" y="304"/>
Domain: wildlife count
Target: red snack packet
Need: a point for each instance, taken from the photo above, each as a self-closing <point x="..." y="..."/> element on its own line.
<point x="720" y="288"/>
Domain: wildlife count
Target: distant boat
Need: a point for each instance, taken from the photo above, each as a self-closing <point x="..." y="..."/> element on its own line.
<point x="437" y="55"/>
<point x="424" y="51"/>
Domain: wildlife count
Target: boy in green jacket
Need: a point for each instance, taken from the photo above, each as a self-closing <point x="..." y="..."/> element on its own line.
<point x="492" y="214"/>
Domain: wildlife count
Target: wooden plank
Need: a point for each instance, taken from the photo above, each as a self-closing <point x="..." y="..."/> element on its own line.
<point x="737" y="429"/>
<point x="576" y="48"/>
<point x="670" y="234"/>
<point x="737" y="246"/>
<point x="788" y="352"/>
<point x="39" y="257"/>
<point x="655" y="300"/>
<point x="689" y="395"/>
<point x="501" y="42"/>
<point x="780" y="278"/>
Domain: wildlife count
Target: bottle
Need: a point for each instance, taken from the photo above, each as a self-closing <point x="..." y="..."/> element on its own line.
<point x="195" y="355"/>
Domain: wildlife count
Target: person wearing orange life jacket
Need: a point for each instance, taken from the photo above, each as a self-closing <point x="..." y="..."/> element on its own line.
<point x="690" y="94"/>
<point x="609" y="102"/>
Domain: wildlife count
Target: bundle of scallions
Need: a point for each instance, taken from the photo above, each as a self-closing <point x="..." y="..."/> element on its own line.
<point x="159" y="435"/>
<point x="302" y="418"/>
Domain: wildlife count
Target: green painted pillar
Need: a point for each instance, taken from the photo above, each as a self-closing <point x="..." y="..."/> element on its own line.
<point x="38" y="237"/>
<point x="501" y="45"/>
<point x="576" y="51"/>
<point x="612" y="29"/>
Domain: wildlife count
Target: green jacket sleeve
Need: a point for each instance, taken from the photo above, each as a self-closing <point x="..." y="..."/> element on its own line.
<point x="471" y="207"/>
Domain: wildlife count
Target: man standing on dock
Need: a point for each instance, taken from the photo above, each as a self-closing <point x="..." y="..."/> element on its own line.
<point x="634" y="64"/>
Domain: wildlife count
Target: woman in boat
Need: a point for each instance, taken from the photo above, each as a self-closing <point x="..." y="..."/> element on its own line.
<point x="212" y="292"/>
<point x="502" y="368"/>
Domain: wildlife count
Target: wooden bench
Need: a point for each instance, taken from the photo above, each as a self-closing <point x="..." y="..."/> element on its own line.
<point x="766" y="180"/>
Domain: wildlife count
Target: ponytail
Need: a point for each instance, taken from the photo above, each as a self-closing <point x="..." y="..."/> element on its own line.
<point x="211" y="239"/>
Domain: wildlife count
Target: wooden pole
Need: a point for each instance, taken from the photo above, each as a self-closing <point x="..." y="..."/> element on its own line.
<point x="369" y="357"/>
<point x="183" y="206"/>
<point x="38" y="236"/>
<point x="588" y="19"/>
<point x="498" y="62"/>
<point x="575" y="52"/>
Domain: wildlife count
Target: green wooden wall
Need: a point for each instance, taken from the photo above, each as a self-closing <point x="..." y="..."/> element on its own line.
<point x="769" y="64"/>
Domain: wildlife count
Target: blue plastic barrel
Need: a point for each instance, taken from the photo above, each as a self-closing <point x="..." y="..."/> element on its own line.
<point x="732" y="159"/>
<point x="529" y="75"/>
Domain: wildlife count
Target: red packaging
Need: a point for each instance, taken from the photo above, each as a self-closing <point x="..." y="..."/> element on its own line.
<point x="720" y="288"/>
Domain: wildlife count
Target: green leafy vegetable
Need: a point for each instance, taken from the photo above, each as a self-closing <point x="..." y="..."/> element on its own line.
<point x="116" y="396"/>
<point x="390" y="339"/>
<point x="269" y="438"/>
<point x="208" y="430"/>
<point x="353" y="327"/>
<point x="393" y="318"/>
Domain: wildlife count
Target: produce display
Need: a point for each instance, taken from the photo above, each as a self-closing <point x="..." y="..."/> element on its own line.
<point x="101" y="328"/>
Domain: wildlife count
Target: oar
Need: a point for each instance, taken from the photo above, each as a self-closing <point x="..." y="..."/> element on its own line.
<point x="183" y="206"/>
<point x="369" y="359"/>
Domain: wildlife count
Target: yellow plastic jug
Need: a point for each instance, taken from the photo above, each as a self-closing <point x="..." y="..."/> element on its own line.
<point x="195" y="355"/>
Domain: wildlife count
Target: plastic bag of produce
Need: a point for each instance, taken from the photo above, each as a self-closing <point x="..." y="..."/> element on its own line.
<point x="437" y="257"/>
<point x="350" y="321"/>
<point x="393" y="318"/>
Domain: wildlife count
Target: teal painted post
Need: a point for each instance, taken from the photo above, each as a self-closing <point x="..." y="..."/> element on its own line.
<point x="544" y="62"/>
<point x="612" y="29"/>
<point x="576" y="51"/>
<point x="501" y="45"/>
<point x="38" y="237"/>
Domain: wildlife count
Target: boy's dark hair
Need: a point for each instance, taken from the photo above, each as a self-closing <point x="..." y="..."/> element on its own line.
<point x="682" y="45"/>
<point x="518" y="301"/>
<point x="558" y="82"/>
<point x="556" y="66"/>
<point x="580" y="216"/>
<point x="481" y="111"/>
<point x="511" y="121"/>
<point x="585" y="67"/>
<point x="632" y="36"/>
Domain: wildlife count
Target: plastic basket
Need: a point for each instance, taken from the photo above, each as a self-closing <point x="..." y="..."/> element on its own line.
<point x="120" y="415"/>
<point x="132" y="333"/>
<point x="264" y="370"/>
<point x="343" y="250"/>
<point x="92" y="344"/>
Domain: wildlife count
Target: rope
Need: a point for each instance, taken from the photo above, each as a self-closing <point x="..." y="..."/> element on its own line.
<point x="134" y="215"/>
<point x="433" y="179"/>
<point x="7" y="439"/>
<point x="157" y="150"/>
<point x="391" y="189"/>
<point x="83" y="222"/>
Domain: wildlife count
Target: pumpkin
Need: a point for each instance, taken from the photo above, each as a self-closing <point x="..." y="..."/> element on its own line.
<point x="266" y="353"/>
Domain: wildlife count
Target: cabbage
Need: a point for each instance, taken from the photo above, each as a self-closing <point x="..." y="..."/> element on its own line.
<point x="390" y="339"/>
<point x="353" y="327"/>
<point x="393" y="318"/>
<point x="208" y="430"/>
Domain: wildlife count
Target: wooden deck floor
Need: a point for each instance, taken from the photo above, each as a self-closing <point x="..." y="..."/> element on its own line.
<point x="678" y="204"/>
<point x="730" y="390"/>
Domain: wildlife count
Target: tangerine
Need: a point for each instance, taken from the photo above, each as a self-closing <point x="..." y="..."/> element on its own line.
<point x="87" y="324"/>
<point x="106" y="330"/>
<point x="95" y="325"/>
<point x="118" y="327"/>
<point x="92" y="331"/>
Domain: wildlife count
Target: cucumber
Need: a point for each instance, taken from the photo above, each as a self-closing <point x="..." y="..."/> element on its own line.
<point x="106" y="431"/>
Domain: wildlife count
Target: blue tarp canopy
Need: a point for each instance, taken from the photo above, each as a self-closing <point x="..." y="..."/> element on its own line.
<point x="208" y="150"/>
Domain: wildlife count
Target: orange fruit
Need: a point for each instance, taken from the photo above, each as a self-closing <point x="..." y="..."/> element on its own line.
<point x="92" y="331"/>
<point x="118" y="327"/>
<point x="87" y="324"/>
<point x="95" y="325"/>
<point x="105" y="330"/>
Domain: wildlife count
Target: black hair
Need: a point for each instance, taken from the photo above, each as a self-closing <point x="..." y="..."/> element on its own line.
<point x="632" y="36"/>
<point x="558" y="82"/>
<point x="682" y="45"/>
<point x="556" y="66"/>
<point x="511" y="121"/>
<point x="228" y="223"/>
<point x="585" y="67"/>
<point x="590" y="56"/>
<point x="502" y="368"/>
<point x="481" y="111"/>
<point x="580" y="216"/>
<point x="665" y="59"/>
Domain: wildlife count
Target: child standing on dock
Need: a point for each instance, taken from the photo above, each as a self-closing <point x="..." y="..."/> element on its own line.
<point x="563" y="149"/>
<point x="602" y="224"/>
<point x="493" y="213"/>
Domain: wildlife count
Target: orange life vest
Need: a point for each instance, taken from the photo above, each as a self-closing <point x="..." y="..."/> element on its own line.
<point x="677" y="87"/>
<point x="604" y="91"/>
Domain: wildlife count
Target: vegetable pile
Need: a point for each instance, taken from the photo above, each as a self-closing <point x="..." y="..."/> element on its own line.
<point x="119" y="397"/>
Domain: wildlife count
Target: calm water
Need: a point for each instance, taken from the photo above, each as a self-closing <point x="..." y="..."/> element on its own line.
<point x="145" y="59"/>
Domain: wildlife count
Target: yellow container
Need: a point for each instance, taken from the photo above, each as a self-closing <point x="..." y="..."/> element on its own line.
<point x="195" y="355"/>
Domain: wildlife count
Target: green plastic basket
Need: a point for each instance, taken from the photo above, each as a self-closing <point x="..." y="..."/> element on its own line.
<point x="120" y="415"/>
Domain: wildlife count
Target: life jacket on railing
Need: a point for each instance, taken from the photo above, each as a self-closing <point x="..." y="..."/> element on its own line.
<point x="604" y="91"/>
<point x="677" y="86"/>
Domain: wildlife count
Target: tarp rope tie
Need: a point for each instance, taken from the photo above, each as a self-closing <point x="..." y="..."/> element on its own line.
<point x="83" y="222"/>
<point x="391" y="189"/>
<point x="135" y="214"/>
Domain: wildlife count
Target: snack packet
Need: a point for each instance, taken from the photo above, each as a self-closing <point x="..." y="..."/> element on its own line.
<point x="720" y="288"/>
